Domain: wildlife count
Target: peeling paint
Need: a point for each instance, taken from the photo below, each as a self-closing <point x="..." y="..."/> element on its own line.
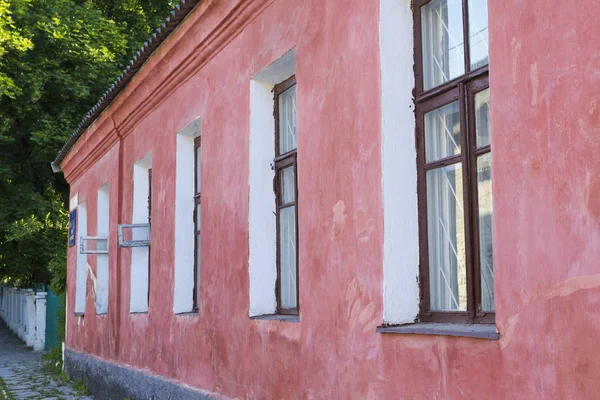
<point x="510" y="330"/>
<point x="363" y="225"/>
<point x="592" y="105"/>
<point x="516" y="46"/>
<point x="533" y="74"/>
<point x="94" y="280"/>
<point x="572" y="285"/>
<point x="339" y="218"/>
<point x="559" y="289"/>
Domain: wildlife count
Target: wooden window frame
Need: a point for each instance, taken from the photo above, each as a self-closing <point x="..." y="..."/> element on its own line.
<point x="197" y="203"/>
<point x="281" y="162"/>
<point x="461" y="89"/>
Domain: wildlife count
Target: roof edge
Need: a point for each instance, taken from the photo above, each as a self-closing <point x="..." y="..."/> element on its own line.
<point x="177" y="14"/>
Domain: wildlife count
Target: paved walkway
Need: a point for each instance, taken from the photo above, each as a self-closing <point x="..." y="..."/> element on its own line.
<point x="22" y="372"/>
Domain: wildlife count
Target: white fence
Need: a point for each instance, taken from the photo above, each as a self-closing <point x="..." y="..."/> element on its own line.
<point x="24" y="311"/>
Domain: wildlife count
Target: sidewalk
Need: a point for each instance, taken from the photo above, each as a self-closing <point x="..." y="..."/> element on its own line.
<point x="21" y="370"/>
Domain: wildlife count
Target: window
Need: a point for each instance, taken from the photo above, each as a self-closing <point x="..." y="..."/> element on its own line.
<point x="137" y="235"/>
<point x="454" y="161"/>
<point x="82" y="260"/>
<point x="270" y="207"/>
<point x="286" y="194"/>
<point x="102" y="272"/>
<point x="197" y="219"/>
<point x="186" y="284"/>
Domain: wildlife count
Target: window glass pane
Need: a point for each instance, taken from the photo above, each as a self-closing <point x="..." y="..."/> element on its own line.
<point x="288" y="186"/>
<point x="287" y="255"/>
<point x="482" y="117"/>
<point x="103" y="244"/>
<point x="442" y="132"/>
<point x="287" y="120"/>
<point x="478" y="33"/>
<point x="198" y="169"/>
<point x="484" y="195"/>
<point x="443" y="47"/>
<point x="446" y="239"/>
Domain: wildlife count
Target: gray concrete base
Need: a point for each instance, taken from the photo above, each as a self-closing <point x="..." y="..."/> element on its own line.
<point x="110" y="381"/>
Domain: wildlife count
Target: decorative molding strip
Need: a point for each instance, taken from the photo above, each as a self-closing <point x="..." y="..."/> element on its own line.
<point x="229" y="28"/>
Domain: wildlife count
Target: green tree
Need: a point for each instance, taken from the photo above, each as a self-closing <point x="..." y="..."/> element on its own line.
<point x="56" y="59"/>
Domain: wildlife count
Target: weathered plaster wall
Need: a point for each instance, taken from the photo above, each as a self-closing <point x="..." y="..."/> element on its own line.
<point x="95" y="333"/>
<point x="544" y="86"/>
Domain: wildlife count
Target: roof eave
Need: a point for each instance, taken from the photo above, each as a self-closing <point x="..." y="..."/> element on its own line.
<point x="179" y="12"/>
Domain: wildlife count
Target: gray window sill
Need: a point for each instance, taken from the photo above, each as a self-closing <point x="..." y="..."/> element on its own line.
<point x="277" y="317"/>
<point x="188" y="314"/>
<point x="138" y="312"/>
<point x="477" y="331"/>
<point x="78" y="314"/>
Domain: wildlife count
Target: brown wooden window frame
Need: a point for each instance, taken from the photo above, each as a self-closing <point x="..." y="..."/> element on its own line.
<point x="197" y="203"/>
<point x="462" y="89"/>
<point x="281" y="162"/>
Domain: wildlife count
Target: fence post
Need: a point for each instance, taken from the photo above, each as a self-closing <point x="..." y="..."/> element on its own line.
<point x="11" y="308"/>
<point x="3" y="302"/>
<point x="40" y="310"/>
<point x="31" y="319"/>
<point x="14" y="325"/>
<point x="9" y="316"/>
<point x="15" y="312"/>
<point x="8" y="307"/>
<point x="22" y="314"/>
<point x="21" y="333"/>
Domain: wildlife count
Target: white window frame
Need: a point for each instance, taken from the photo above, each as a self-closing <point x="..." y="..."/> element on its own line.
<point x="262" y="260"/>
<point x="102" y="259"/>
<point x="140" y="255"/>
<point x="183" y="287"/>
<point x="83" y="249"/>
<point x="399" y="166"/>
<point x="133" y="242"/>
<point x="81" y="266"/>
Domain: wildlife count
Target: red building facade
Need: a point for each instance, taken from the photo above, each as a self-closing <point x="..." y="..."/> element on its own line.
<point x="294" y="199"/>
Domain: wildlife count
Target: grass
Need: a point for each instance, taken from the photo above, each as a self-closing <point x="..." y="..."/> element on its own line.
<point x="4" y="393"/>
<point x="54" y="369"/>
<point x="80" y="387"/>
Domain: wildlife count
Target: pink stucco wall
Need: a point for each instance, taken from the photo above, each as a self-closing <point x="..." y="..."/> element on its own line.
<point x="545" y="86"/>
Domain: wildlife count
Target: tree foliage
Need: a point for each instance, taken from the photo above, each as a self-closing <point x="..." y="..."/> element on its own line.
<point x="56" y="59"/>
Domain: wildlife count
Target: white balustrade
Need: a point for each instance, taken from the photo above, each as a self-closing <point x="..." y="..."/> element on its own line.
<point x="24" y="312"/>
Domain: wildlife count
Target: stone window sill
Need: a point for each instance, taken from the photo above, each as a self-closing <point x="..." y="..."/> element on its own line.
<point x="277" y="317"/>
<point x="188" y="314"/>
<point x="78" y="314"/>
<point x="477" y="331"/>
